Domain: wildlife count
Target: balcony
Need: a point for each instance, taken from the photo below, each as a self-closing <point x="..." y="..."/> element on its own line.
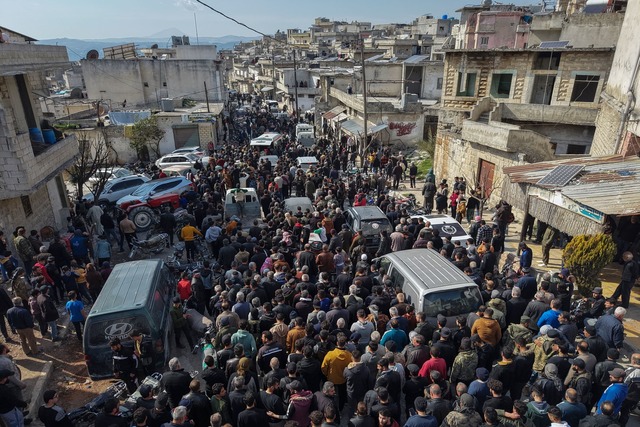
<point x="23" y="171"/>
<point x="561" y="114"/>
<point x="291" y="90"/>
<point x="509" y="139"/>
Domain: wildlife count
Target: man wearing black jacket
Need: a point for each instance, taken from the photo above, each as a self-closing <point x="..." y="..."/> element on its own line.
<point x="125" y="364"/>
<point x="200" y="409"/>
<point x="175" y="382"/>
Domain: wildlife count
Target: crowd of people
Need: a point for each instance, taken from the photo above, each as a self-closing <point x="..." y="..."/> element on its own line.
<point x="320" y="335"/>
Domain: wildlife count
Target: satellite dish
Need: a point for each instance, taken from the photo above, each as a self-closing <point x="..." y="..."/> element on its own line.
<point x="93" y="54"/>
<point x="487" y="3"/>
<point x="154" y="46"/>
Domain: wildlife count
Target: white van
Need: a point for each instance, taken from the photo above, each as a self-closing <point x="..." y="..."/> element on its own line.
<point x="266" y="140"/>
<point x="306" y="139"/>
<point x="432" y="283"/>
<point x="303" y="127"/>
<point x="305" y="163"/>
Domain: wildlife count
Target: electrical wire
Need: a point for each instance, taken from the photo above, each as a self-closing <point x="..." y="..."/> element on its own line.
<point x="242" y="24"/>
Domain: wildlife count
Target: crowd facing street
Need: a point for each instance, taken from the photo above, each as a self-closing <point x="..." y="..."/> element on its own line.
<point x="318" y="334"/>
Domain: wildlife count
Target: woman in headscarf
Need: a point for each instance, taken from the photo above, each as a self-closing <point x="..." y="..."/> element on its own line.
<point x="250" y="377"/>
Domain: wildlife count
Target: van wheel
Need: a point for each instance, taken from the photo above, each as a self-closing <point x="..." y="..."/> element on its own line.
<point x="143" y="217"/>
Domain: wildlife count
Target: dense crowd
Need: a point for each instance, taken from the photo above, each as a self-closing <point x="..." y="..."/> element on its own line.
<point x="319" y="334"/>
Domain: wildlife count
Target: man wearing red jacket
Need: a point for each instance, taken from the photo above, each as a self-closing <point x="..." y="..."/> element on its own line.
<point x="436" y="363"/>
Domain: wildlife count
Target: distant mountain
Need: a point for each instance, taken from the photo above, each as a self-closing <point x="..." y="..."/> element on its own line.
<point x="78" y="48"/>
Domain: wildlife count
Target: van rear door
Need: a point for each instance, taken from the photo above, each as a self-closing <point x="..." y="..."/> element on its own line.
<point x="99" y="330"/>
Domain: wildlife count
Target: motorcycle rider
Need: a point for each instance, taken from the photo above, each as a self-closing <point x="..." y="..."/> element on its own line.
<point x="125" y="364"/>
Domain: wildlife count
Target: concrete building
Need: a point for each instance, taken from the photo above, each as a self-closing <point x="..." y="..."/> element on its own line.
<point x="504" y="108"/>
<point x="144" y="82"/>
<point x="32" y="191"/>
<point x="618" y="123"/>
<point x="401" y="103"/>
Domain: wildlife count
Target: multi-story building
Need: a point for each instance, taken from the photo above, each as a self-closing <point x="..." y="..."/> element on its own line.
<point x="507" y="107"/>
<point x="618" y="122"/>
<point x="32" y="191"/>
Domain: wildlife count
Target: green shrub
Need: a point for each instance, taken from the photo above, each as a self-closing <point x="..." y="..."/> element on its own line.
<point x="585" y="256"/>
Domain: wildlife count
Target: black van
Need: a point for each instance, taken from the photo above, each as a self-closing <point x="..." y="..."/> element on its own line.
<point x="137" y="295"/>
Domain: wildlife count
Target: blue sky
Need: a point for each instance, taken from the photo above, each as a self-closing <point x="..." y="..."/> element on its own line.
<point x="44" y="19"/>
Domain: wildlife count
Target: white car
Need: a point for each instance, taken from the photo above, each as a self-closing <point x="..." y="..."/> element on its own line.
<point x="117" y="188"/>
<point x="176" y="160"/>
<point x="112" y="172"/>
<point x="198" y="151"/>
<point x="447" y="226"/>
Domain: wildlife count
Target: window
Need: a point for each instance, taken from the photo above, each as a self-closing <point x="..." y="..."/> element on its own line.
<point x="164" y="84"/>
<point x="439" y="83"/>
<point x="397" y="278"/>
<point x="547" y="61"/>
<point x="466" y="84"/>
<point x="452" y="303"/>
<point x="501" y="85"/>
<point x="26" y="206"/>
<point x="484" y="41"/>
<point x="576" y="149"/>
<point x="585" y="88"/>
<point x="146" y="84"/>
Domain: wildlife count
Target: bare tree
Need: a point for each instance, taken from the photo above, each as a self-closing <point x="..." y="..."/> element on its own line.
<point x="146" y="135"/>
<point x="93" y="154"/>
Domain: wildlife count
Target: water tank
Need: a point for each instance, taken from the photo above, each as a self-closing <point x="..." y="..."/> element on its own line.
<point x="167" y="105"/>
<point x="445" y="17"/>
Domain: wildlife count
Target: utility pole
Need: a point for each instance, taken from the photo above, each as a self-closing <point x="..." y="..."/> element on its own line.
<point x="206" y="97"/>
<point x="364" y="97"/>
<point x="295" y="80"/>
<point x="273" y="63"/>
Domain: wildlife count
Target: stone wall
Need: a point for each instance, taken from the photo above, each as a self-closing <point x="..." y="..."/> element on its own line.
<point x="607" y="125"/>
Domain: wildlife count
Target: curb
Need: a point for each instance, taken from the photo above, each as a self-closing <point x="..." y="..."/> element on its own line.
<point x="38" y="389"/>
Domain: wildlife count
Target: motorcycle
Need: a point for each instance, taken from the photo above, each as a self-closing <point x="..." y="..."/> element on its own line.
<point x="85" y="416"/>
<point x="153" y="245"/>
<point x="152" y="380"/>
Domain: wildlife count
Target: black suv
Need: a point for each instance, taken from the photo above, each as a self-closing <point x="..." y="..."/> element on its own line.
<point x="371" y="220"/>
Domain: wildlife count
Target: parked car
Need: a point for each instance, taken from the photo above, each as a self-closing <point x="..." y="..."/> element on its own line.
<point x="141" y="205"/>
<point x="447" y="226"/>
<point x="176" y="159"/>
<point x="117" y="188"/>
<point x="198" y="151"/>
<point x="112" y="173"/>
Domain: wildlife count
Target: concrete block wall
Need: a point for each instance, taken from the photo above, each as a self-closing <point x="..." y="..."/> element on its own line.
<point x="12" y="213"/>
<point x="607" y="124"/>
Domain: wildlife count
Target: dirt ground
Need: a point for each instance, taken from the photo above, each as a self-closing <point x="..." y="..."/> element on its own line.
<point x="70" y="376"/>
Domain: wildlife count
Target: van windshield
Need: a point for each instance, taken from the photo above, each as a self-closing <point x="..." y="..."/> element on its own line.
<point x="102" y="331"/>
<point x="375" y="226"/>
<point x="452" y="302"/>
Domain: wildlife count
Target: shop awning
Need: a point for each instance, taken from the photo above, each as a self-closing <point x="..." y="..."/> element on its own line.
<point x="340" y="117"/>
<point x="353" y="127"/>
<point x="333" y="113"/>
<point x="267" y="89"/>
<point x="376" y="128"/>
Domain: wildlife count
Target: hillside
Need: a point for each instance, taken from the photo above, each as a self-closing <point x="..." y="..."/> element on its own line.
<point x="78" y="48"/>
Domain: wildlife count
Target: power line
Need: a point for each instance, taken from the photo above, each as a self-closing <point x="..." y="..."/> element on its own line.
<point x="241" y="24"/>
